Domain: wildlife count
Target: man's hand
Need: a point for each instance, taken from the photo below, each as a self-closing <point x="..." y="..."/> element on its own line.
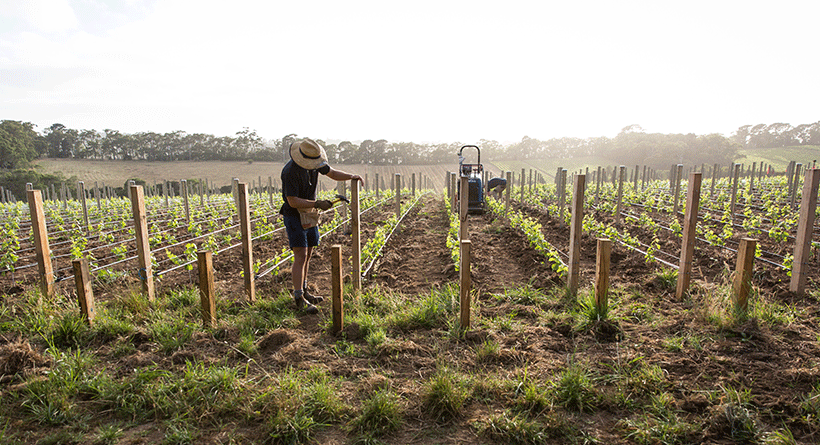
<point x="323" y="204"/>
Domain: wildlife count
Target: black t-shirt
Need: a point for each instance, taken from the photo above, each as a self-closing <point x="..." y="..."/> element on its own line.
<point x="298" y="182"/>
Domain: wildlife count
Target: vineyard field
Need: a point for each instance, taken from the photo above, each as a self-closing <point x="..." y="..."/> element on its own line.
<point x="537" y="365"/>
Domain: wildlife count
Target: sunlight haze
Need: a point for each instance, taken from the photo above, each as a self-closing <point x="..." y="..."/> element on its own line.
<point x="424" y="71"/>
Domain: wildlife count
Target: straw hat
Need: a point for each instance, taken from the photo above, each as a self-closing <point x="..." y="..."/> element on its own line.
<point x="308" y="154"/>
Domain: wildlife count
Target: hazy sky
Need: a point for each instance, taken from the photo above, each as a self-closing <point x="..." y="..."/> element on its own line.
<point x="450" y="71"/>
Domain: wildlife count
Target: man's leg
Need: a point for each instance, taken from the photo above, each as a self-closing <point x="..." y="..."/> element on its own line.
<point x="300" y="259"/>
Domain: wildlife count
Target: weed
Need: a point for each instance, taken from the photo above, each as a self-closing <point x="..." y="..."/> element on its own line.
<point x="445" y="395"/>
<point x="742" y="421"/>
<point x="285" y="429"/>
<point x="668" y="430"/>
<point x="70" y="331"/>
<point x="574" y="389"/>
<point x="172" y="334"/>
<point x="108" y="434"/>
<point x="379" y="414"/>
<point x="178" y="433"/>
<point x="667" y="279"/>
<point x="487" y="351"/>
<point x="519" y="429"/>
<point x="526" y="295"/>
<point x="780" y="437"/>
<point x="531" y="398"/>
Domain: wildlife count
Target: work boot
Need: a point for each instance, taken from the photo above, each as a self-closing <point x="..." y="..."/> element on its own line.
<point x="312" y="299"/>
<point x="303" y="305"/>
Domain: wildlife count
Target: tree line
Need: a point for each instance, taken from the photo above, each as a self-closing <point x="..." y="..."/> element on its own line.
<point x="20" y="144"/>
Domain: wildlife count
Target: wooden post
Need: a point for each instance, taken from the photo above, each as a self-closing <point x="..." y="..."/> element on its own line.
<point x="619" y="205"/>
<point x="715" y="173"/>
<point x="336" y="287"/>
<point x="206" y="288"/>
<point x="377" y="185"/>
<point x="562" y="193"/>
<point x="270" y="190"/>
<point x="145" y="271"/>
<point x="356" y="236"/>
<point x="795" y="183"/>
<point x="603" y="255"/>
<point x="85" y="294"/>
<point x="579" y="187"/>
<point x="523" y="181"/>
<point x="165" y="192"/>
<point x="96" y="196"/>
<point x="635" y="179"/>
<point x="454" y="196"/>
<point x="790" y="176"/>
<point x="507" y="194"/>
<point x="414" y="185"/>
<point x="742" y="284"/>
<point x="184" y="191"/>
<point x="41" y="248"/>
<point x="81" y="198"/>
<point x="397" y="186"/>
<point x="597" y="185"/>
<point x="802" y="245"/>
<point x="464" y="271"/>
<point x="643" y="179"/>
<point x="463" y="201"/>
<point x="676" y="192"/>
<point x="752" y="178"/>
<point x="690" y="222"/>
<point x="736" y="177"/>
<point x="247" y="244"/>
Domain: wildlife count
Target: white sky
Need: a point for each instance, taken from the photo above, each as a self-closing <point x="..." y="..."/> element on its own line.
<point x="421" y="71"/>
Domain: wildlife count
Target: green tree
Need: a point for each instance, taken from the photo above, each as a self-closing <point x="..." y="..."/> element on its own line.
<point x="17" y="142"/>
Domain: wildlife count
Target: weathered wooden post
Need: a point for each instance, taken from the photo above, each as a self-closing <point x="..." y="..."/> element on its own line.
<point x="742" y="284"/>
<point x="165" y="192"/>
<point x="413" y="187"/>
<point x="247" y="244"/>
<point x="356" y="236"/>
<point x="85" y="294"/>
<point x="184" y="191"/>
<point x="752" y="178"/>
<point x="597" y="185"/>
<point x="802" y="245"/>
<point x="464" y="191"/>
<point x="465" y="281"/>
<point x="507" y="194"/>
<point x="690" y="222"/>
<point x="735" y="179"/>
<point x="397" y="185"/>
<point x="562" y="193"/>
<point x="523" y="183"/>
<point x="207" y="292"/>
<point x="715" y="174"/>
<point x="603" y="254"/>
<point x="41" y="247"/>
<point x="619" y="204"/>
<point x="578" y="189"/>
<point x="146" y="273"/>
<point x="676" y="189"/>
<point x="96" y="196"/>
<point x="795" y="183"/>
<point x="337" y="302"/>
<point x="81" y="197"/>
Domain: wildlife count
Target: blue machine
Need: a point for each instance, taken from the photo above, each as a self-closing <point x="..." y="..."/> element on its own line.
<point x="474" y="174"/>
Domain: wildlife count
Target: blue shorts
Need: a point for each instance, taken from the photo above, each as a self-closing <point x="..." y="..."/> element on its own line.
<point x="299" y="237"/>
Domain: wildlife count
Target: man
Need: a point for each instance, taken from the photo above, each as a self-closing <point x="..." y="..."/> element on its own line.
<point x="496" y="186"/>
<point x="299" y="179"/>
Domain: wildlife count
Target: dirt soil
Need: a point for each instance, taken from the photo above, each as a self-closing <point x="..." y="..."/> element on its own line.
<point x="776" y="363"/>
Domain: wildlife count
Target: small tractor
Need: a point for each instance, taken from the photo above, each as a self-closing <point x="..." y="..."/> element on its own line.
<point x="474" y="174"/>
